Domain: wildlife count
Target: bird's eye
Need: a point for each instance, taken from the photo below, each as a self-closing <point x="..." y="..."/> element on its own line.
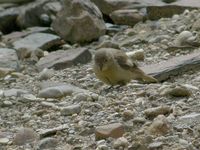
<point x="105" y="60"/>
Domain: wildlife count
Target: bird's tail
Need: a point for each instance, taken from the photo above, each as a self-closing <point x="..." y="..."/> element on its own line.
<point x="142" y="76"/>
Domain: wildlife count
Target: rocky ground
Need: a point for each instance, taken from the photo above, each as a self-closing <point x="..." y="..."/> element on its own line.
<point x="51" y="99"/>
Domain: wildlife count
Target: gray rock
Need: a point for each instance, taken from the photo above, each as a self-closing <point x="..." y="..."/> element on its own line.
<point x="153" y="112"/>
<point x="58" y="91"/>
<point x="14" y="92"/>
<point x="187" y="121"/>
<point x="126" y="17"/>
<point x="81" y="15"/>
<point x="8" y="58"/>
<point x="12" y="37"/>
<point x="107" y="6"/>
<point x="48" y="143"/>
<point x="15" y="1"/>
<point x="52" y="131"/>
<point x="24" y="136"/>
<point x="173" y="66"/>
<point x="159" y="126"/>
<point x="37" y="14"/>
<point x="184" y="38"/>
<point x="120" y="142"/>
<point x="70" y="110"/>
<point x="177" y="91"/>
<point x="5" y="71"/>
<point x="37" y="40"/>
<point x="8" y="19"/>
<point x="46" y="74"/>
<point x="62" y="59"/>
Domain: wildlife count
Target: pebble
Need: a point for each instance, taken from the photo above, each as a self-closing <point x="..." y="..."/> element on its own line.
<point x="48" y="143"/>
<point x="160" y="110"/>
<point x="70" y="110"/>
<point x="4" y="140"/>
<point x="25" y="135"/>
<point x="114" y="130"/>
<point x="159" y="126"/>
<point x="121" y="142"/>
<point x="46" y="74"/>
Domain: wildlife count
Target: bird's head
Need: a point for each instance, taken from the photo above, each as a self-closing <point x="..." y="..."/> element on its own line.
<point x="103" y="59"/>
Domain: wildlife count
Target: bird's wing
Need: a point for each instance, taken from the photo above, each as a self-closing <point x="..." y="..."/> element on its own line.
<point x="124" y="62"/>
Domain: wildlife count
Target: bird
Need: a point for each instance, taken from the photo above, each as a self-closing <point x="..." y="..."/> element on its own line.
<point x="114" y="67"/>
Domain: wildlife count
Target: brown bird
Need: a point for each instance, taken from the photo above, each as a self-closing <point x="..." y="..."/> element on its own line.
<point x="114" y="67"/>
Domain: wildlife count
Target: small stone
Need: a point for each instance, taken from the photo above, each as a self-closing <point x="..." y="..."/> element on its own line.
<point x="4" y="140"/>
<point x="58" y="91"/>
<point x="7" y="103"/>
<point x="70" y="110"/>
<point x="48" y="143"/>
<point x="128" y="114"/>
<point x="159" y="126"/>
<point x="46" y="74"/>
<point x="136" y="55"/>
<point x="5" y="71"/>
<point x="102" y="147"/>
<point x="14" y="92"/>
<point x="183" y="38"/>
<point x="66" y="46"/>
<point x="161" y="110"/>
<point x="114" y="130"/>
<point x="81" y="97"/>
<point x="108" y="44"/>
<point x="25" y="135"/>
<point x="28" y="98"/>
<point x="155" y="145"/>
<point x="121" y="142"/>
<point x="178" y="91"/>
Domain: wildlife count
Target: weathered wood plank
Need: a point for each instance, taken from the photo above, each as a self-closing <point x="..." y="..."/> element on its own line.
<point x="174" y="66"/>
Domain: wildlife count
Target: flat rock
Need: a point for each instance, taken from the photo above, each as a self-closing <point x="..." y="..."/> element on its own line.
<point x="37" y="40"/>
<point x="14" y="92"/>
<point x="126" y="17"/>
<point x="57" y="91"/>
<point x="8" y="58"/>
<point x="187" y="121"/>
<point x="12" y="37"/>
<point x="62" y="59"/>
<point x="114" y="130"/>
<point x="15" y="1"/>
<point x="81" y="15"/>
<point x="174" y="66"/>
<point x="155" y="111"/>
<point x="48" y="143"/>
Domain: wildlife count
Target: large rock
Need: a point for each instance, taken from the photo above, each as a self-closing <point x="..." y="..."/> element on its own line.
<point x="38" y="13"/>
<point x="127" y="17"/>
<point x="15" y="1"/>
<point x="37" y="40"/>
<point x="174" y="66"/>
<point x="8" y="58"/>
<point x="108" y="6"/>
<point x="79" y="21"/>
<point x="62" y="59"/>
<point x="14" y="36"/>
<point x="155" y="9"/>
<point x="8" y="20"/>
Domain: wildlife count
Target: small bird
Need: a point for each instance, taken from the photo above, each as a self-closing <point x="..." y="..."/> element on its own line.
<point x="114" y="67"/>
